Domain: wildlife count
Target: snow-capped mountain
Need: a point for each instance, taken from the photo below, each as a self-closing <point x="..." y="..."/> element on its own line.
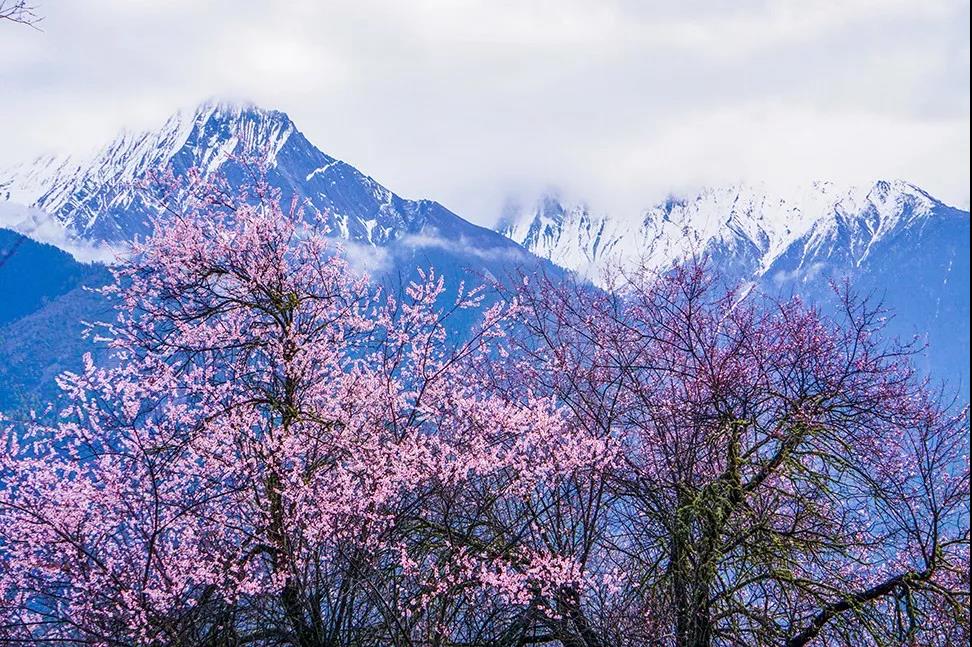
<point x="99" y="198"/>
<point x="94" y="205"/>
<point x="747" y="230"/>
<point x="891" y="240"/>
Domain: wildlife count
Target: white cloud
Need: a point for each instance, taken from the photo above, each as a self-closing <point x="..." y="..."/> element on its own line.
<point x="806" y="274"/>
<point x="462" y="246"/>
<point x="367" y="259"/>
<point x="39" y="226"/>
<point x="468" y="101"/>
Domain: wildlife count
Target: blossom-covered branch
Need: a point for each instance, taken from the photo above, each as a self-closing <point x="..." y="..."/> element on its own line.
<point x="275" y="450"/>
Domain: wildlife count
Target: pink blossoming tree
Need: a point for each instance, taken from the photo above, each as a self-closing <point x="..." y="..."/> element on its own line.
<point x="277" y="452"/>
<point x="784" y="478"/>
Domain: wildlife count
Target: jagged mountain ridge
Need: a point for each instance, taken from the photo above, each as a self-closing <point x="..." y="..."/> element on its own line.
<point x="98" y="199"/>
<point x="96" y="203"/>
<point x="890" y="237"/>
<point x="892" y="241"/>
<point x="746" y="229"/>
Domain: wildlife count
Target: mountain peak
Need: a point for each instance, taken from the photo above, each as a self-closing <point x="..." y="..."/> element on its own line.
<point x="225" y="109"/>
<point x="91" y="196"/>
<point x="98" y="199"/>
<point x="753" y="223"/>
<point x="230" y="111"/>
<point x="900" y="190"/>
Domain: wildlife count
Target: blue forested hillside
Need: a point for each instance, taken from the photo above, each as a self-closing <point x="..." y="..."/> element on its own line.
<point x="33" y="274"/>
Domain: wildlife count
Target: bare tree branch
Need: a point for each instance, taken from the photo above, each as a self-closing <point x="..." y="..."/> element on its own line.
<point x="21" y="12"/>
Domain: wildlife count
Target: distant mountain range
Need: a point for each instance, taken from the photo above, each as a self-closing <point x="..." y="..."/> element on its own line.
<point x="756" y="229"/>
<point x="891" y="238"/>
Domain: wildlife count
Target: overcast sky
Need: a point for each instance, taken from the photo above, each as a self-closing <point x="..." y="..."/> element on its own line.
<point x="470" y="102"/>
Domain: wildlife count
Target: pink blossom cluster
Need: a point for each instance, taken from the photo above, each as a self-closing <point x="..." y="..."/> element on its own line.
<point x="273" y="450"/>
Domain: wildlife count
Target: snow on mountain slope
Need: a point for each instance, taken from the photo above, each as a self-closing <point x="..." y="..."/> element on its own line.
<point x="82" y="193"/>
<point x="744" y="228"/>
<point x="890" y="237"/>
<point x="98" y="199"/>
<point x="95" y="203"/>
<point x="891" y="240"/>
